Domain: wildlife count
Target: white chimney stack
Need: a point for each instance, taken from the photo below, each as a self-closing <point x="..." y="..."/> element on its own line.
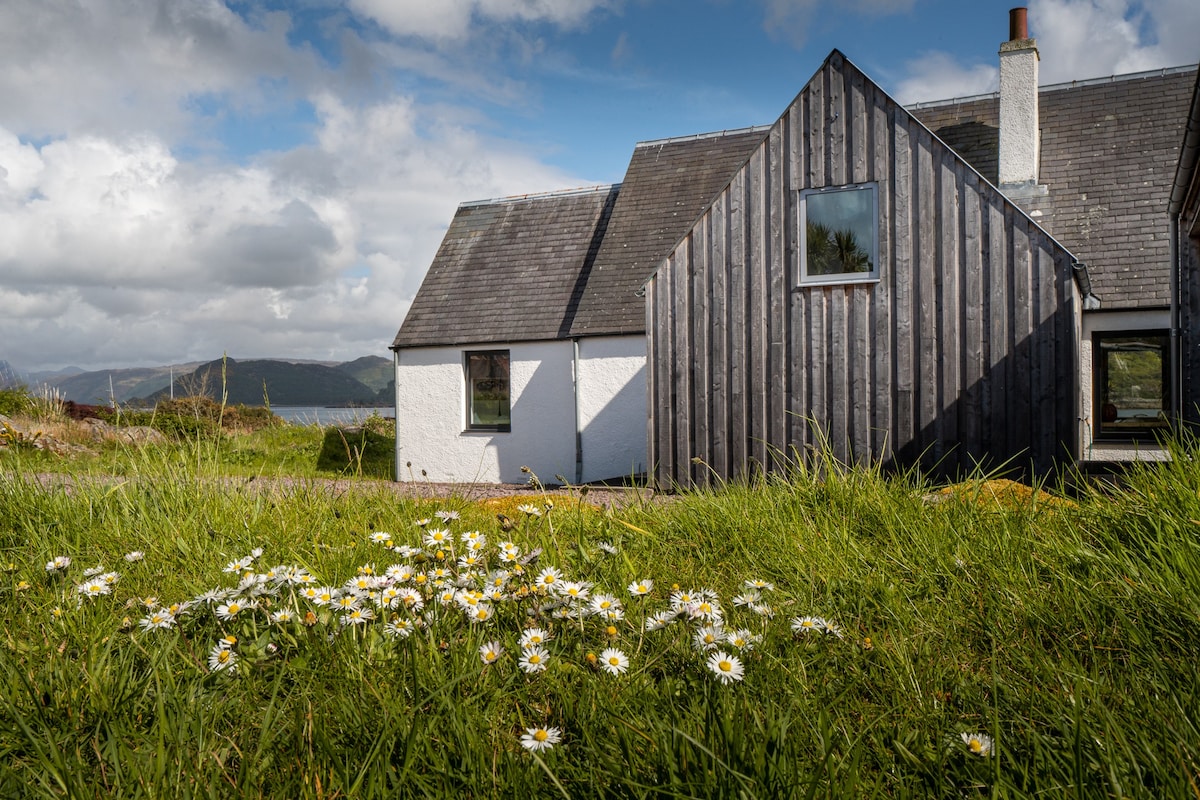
<point x="1019" y="133"/>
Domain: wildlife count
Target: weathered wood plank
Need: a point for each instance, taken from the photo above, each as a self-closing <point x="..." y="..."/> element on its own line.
<point x="949" y="309"/>
<point x="722" y="451"/>
<point x="927" y="364"/>
<point x="970" y="416"/>
<point x="904" y="308"/>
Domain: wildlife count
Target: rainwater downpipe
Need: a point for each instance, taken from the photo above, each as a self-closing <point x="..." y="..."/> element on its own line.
<point x="578" y="414"/>
<point x="1176" y="362"/>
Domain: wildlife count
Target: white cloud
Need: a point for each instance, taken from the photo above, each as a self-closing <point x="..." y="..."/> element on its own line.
<point x="456" y="19"/>
<point x="937" y="76"/>
<point x="1090" y="38"/>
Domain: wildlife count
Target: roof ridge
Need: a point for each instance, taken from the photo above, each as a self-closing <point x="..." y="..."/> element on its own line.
<point x="696" y="136"/>
<point x="512" y="198"/>
<point x="1052" y="87"/>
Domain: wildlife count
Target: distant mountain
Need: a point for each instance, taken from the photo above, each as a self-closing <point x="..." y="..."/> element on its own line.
<point x="281" y="383"/>
<point x="374" y="371"/>
<point x="103" y="386"/>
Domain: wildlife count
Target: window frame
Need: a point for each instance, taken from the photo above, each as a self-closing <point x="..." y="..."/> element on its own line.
<point x="873" y="276"/>
<point x="469" y="391"/>
<point x="1161" y="423"/>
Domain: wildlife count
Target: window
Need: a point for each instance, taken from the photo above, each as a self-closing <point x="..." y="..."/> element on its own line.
<point x="487" y="391"/>
<point x="1133" y="380"/>
<point x="839" y="234"/>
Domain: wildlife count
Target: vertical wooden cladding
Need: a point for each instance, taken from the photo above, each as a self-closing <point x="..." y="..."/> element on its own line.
<point x="958" y="356"/>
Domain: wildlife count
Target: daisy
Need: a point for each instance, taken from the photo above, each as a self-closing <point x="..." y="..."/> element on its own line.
<point x="347" y="602"/>
<point x="808" y="625"/>
<point x="134" y="555"/>
<point x="437" y="537"/>
<point x="727" y="668"/>
<point x="742" y="639"/>
<point x="759" y="585"/>
<point x="641" y="588"/>
<point x="534" y="739"/>
<point x="400" y="629"/>
<point x="979" y="744"/>
<point x="322" y="596"/>
<point x="240" y="565"/>
<point x="93" y="588"/>
<point x="613" y="661"/>
<point x="388" y="598"/>
<point x="157" y="619"/>
<point x="534" y="637"/>
<point x="604" y="603"/>
<point x="708" y="637"/>
<point x="58" y="564"/>
<point x="705" y="610"/>
<point x="421" y="523"/>
<point x="490" y="652"/>
<point x="357" y="616"/>
<point x="221" y="658"/>
<point x="227" y="611"/>
<point x="481" y="613"/>
<point x="608" y="547"/>
<point x="381" y="537"/>
<point x="530" y="510"/>
<point x="446" y="516"/>
<point x="764" y="610"/>
<point x="94" y="571"/>
<point x="534" y="659"/>
<point x="400" y="573"/>
<point x="548" y="577"/>
<point x="412" y="599"/>
<point x="406" y="551"/>
<point x="831" y="629"/>
<point x="574" y="590"/>
<point x="746" y="599"/>
<point x="282" y="616"/>
<point x="660" y="619"/>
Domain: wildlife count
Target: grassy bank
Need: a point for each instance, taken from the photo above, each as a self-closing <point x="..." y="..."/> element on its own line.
<point x="1060" y="638"/>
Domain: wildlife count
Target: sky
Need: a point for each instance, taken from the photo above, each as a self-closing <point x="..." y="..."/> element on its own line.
<point x="182" y="179"/>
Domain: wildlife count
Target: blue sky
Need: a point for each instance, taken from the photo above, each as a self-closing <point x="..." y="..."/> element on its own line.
<point x="185" y="178"/>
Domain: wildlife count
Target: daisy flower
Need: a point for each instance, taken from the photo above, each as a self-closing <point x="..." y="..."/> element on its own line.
<point x="808" y="624"/>
<point x="400" y="629"/>
<point x="239" y="565"/>
<point x="322" y="596"/>
<point x="727" y="668"/>
<point x="347" y="602"/>
<point x="489" y="653"/>
<point x="481" y="613"/>
<point x="660" y="619"/>
<point x="400" y="573"/>
<point x="534" y="659"/>
<point x="535" y="739"/>
<point x="765" y="610"/>
<point x="94" y="571"/>
<point x="746" y="599"/>
<point x="574" y="590"/>
<point x="157" y="619"/>
<point x="548" y="577"/>
<point x="708" y="637"/>
<point x="759" y="585"/>
<point x="604" y="603"/>
<point x="641" y="588"/>
<point x="134" y="555"/>
<point x="530" y="510"/>
<point x="613" y="661"/>
<point x="283" y="616"/>
<point x="93" y="588"/>
<point x="534" y="637"/>
<point x="412" y="599"/>
<point x="437" y="537"/>
<point x="421" y="523"/>
<point x="221" y="658"/>
<point x="608" y="547"/>
<point x="227" y="611"/>
<point x="446" y="516"/>
<point x="357" y="616"/>
<point x="58" y="564"/>
<point x="979" y="744"/>
<point x="381" y="537"/>
<point x="742" y="639"/>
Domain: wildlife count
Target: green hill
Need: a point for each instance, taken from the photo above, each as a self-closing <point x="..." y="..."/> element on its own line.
<point x="280" y="383"/>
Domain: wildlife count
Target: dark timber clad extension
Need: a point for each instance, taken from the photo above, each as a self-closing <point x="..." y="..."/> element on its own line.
<point x="963" y="352"/>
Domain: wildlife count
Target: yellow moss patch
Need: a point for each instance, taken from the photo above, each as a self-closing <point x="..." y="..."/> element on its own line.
<point x="509" y="505"/>
<point x="1004" y="494"/>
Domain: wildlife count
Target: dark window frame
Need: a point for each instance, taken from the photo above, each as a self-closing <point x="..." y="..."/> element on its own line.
<point x="503" y="387"/>
<point x="837" y="278"/>
<point x="1109" y="422"/>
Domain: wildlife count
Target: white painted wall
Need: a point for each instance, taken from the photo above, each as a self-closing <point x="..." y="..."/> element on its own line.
<point x="1108" y="321"/>
<point x="431" y="432"/>
<point x="612" y="407"/>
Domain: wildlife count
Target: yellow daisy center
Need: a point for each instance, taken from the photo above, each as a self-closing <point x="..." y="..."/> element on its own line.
<point x="541" y="736"/>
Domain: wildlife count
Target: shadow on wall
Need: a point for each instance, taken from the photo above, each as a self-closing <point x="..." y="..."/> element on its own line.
<point x="1019" y="417"/>
<point x="614" y="441"/>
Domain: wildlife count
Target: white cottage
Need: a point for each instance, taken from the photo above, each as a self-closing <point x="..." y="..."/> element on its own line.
<point x="525" y="345"/>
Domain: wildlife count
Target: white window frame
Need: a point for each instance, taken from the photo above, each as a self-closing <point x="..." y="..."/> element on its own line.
<point x="802" y="224"/>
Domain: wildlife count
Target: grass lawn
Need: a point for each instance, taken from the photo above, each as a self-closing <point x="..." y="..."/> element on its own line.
<point x="846" y="637"/>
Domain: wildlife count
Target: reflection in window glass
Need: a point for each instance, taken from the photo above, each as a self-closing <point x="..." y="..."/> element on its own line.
<point x="839" y="230"/>
<point x="1133" y="382"/>
<point x="488" y="391"/>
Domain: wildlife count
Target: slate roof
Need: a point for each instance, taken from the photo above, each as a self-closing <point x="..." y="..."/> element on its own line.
<point x="667" y="186"/>
<point x="509" y="270"/>
<point x="569" y="264"/>
<point x="1109" y="150"/>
